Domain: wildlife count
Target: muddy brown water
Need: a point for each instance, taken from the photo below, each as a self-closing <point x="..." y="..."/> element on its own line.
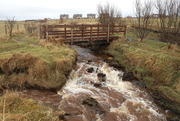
<point x="89" y="97"/>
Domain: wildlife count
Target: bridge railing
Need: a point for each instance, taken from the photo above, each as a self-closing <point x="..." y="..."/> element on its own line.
<point x="83" y="32"/>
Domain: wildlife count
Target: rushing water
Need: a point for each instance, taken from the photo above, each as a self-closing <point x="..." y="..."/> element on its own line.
<point x="96" y="92"/>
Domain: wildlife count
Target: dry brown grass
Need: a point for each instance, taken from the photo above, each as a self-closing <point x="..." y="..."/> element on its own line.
<point x="56" y="41"/>
<point x="42" y="66"/>
<point x="15" y="108"/>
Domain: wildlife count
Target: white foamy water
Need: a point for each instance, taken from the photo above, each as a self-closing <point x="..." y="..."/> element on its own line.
<point x="117" y="100"/>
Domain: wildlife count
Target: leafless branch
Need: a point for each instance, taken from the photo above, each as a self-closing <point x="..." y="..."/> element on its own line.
<point x="10" y="23"/>
<point x="143" y="20"/>
<point x="108" y="14"/>
<point x="169" y="20"/>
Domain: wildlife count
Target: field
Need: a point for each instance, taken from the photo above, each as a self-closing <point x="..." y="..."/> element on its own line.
<point x="33" y="63"/>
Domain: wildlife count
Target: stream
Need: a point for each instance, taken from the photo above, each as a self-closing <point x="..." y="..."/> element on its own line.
<point x="95" y="91"/>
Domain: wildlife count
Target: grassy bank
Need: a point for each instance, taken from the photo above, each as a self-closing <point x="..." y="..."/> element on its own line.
<point x="29" y="63"/>
<point x="15" y="108"/>
<point x="154" y="63"/>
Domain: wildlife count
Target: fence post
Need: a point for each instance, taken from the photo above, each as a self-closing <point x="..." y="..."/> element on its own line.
<point x="124" y="31"/>
<point x="65" y="30"/>
<point x="44" y="31"/>
<point x="82" y="32"/>
<point x="71" y="34"/>
<point x="17" y="27"/>
<point x="40" y="31"/>
<point x="91" y="34"/>
<point x="108" y="34"/>
<point x="47" y="33"/>
<point x="98" y="30"/>
<point x="6" y="29"/>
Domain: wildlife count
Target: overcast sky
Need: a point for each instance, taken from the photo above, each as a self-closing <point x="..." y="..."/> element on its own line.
<point x="39" y="9"/>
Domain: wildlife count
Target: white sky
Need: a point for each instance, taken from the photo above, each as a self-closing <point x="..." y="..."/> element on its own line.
<point x="39" y="9"/>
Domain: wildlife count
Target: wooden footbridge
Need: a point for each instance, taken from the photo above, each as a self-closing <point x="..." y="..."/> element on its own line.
<point x="84" y="33"/>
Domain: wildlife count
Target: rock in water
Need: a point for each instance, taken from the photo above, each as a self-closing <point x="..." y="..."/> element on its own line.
<point x="101" y="77"/>
<point x="90" y="70"/>
<point x="94" y="105"/>
<point x="97" y="85"/>
<point x="128" y="76"/>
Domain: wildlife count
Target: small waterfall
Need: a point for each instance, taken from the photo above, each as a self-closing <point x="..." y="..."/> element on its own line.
<point x="95" y="92"/>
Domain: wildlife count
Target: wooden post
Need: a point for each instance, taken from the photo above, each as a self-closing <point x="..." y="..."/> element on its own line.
<point x="124" y="31"/>
<point x="47" y="32"/>
<point x="108" y="34"/>
<point x="71" y="34"/>
<point x="82" y="32"/>
<point x="44" y="31"/>
<point x="65" y="30"/>
<point x="113" y="28"/>
<point x="6" y="29"/>
<point x="91" y="34"/>
<point x="40" y="31"/>
<point x="98" y="30"/>
<point x="17" y="27"/>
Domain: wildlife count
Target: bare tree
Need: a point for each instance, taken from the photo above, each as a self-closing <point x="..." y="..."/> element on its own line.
<point x="143" y="19"/>
<point x="108" y="14"/>
<point x="10" y="23"/>
<point x="169" y="20"/>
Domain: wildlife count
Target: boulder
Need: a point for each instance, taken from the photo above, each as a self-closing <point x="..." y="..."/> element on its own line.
<point x="90" y="70"/>
<point x="94" y="105"/>
<point x="128" y="76"/>
<point x="140" y="84"/>
<point x="101" y="77"/>
<point x="97" y="85"/>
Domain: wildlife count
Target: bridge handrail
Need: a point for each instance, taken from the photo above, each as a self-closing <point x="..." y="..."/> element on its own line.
<point x="83" y="30"/>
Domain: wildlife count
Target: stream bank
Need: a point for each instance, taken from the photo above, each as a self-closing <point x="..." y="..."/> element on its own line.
<point x="152" y="64"/>
<point x="30" y="63"/>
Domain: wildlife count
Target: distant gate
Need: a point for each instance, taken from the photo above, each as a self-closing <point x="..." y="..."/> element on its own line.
<point x="84" y="33"/>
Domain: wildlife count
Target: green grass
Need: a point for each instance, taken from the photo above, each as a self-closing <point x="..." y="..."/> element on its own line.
<point x="26" y="62"/>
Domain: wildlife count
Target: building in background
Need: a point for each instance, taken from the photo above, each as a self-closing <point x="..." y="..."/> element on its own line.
<point x="155" y="15"/>
<point x="91" y="15"/>
<point x="77" y="16"/>
<point x="64" y="16"/>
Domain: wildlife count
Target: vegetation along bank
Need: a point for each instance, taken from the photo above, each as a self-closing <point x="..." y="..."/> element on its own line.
<point x="154" y="63"/>
<point x="29" y="63"/>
